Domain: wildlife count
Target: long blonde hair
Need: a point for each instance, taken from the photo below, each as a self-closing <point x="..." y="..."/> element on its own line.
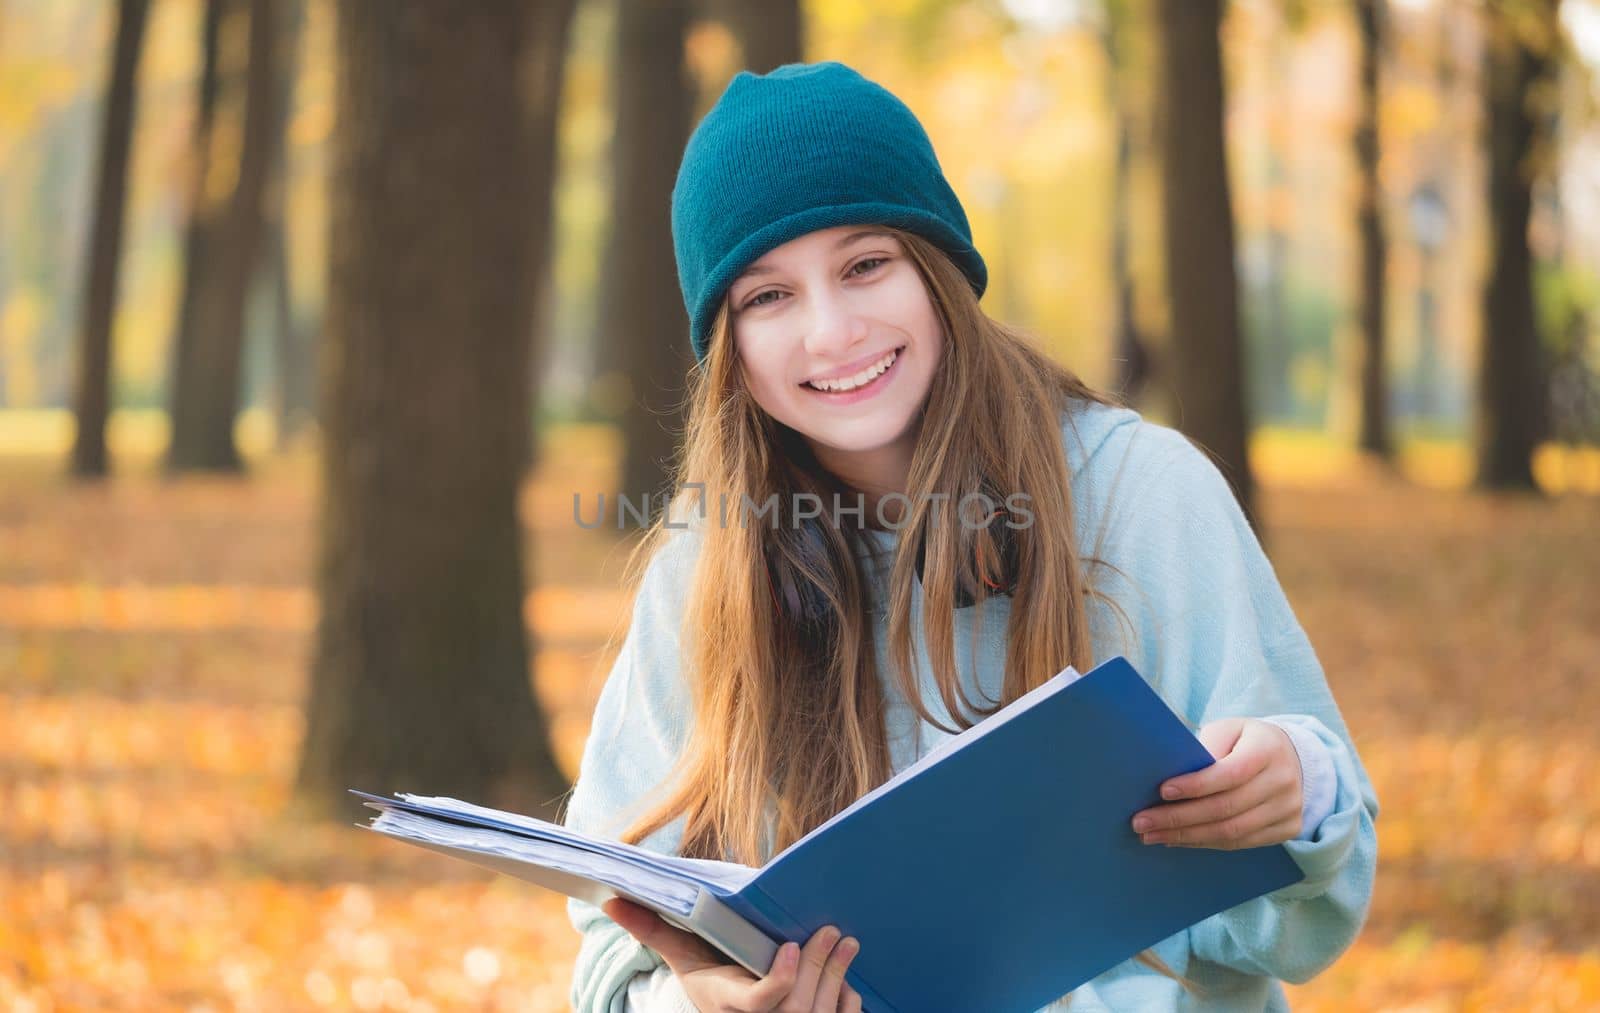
<point x="788" y="722"/>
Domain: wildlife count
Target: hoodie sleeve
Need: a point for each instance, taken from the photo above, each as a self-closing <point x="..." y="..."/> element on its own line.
<point x="658" y="992"/>
<point x="1205" y="620"/>
<point x="639" y="728"/>
<point x="1316" y="774"/>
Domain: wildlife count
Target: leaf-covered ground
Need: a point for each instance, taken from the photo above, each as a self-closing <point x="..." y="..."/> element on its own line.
<point x="153" y="648"/>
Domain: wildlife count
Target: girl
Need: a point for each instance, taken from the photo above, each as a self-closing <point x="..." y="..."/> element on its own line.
<point x="896" y="516"/>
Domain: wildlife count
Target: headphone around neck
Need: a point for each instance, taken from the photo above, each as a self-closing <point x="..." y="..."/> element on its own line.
<point x="798" y="600"/>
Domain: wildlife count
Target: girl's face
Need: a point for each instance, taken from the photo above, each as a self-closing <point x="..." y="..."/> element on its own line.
<point x="839" y="340"/>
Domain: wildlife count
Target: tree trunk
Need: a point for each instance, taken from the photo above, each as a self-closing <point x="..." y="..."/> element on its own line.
<point x="644" y="336"/>
<point x="1512" y="414"/>
<point x="1132" y="357"/>
<point x="542" y="110"/>
<point x="203" y="209"/>
<point x="291" y="391"/>
<point x="771" y="33"/>
<point x="1373" y="436"/>
<point x="93" y="405"/>
<point x="205" y="396"/>
<point x="1270" y="346"/>
<point x="1197" y="220"/>
<point x="421" y="678"/>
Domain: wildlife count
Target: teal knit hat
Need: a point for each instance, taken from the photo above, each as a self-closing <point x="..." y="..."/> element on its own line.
<point x="807" y="146"/>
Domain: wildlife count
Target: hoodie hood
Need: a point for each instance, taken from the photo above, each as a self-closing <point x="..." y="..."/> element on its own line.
<point x="1087" y="426"/>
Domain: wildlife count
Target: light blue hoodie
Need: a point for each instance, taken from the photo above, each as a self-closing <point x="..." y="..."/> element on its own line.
<point x="1210" y="628"/>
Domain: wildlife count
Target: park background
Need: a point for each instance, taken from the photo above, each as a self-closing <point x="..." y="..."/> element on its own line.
<point x="314" y="316"/>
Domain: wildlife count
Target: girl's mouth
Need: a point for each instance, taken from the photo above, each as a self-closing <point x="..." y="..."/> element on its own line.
<point x="860" y="386"/>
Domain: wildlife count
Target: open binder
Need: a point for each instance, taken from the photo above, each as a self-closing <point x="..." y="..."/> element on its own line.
<point x="998" y="872"/>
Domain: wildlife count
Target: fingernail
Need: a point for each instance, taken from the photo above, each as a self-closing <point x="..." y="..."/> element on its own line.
<point x="1170" y="791"/>
<point x="791" y="953"/>
<point x="1141" y="823"/>
<point x="849" y="947"/>
<point x="1152" y="838"/>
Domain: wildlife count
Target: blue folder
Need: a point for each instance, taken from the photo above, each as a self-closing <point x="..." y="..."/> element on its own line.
<point x="997" y="873"/>
<point x="1007" y="873"/>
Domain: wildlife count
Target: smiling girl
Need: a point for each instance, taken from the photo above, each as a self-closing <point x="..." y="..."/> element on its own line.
<point x="986" y="519"/>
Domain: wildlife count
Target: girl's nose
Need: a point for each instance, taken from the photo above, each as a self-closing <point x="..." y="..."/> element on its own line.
<point x="834" y="326"/>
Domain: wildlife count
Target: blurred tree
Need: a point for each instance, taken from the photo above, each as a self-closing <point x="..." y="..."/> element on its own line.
<point x="1520" y="64"/>
<point x="771" y="33"/>
<point x="291" y="344"/>
<point x="1197" y="218"/>
<point x="1373" y="435"/>
<point x="543" y="109"/>
<point x="1432" y="221"/>
<point x="643" y="327"/>
<point x="1567" y="289"/>
<point x="93" y="402"/>
<point x="439" y="196"/>
<point x="201" y="212"/>
<point x="1270" y="365"/>
<point x="1569" y="302"/>
<point x="204" y="398"/>
<point x="1120" y="24"/>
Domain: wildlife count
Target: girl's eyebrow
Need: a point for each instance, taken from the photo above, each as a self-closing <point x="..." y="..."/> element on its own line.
<point x="756" y="269"/>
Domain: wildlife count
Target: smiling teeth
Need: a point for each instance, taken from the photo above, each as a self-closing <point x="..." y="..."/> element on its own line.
<point x="852" y="382"/>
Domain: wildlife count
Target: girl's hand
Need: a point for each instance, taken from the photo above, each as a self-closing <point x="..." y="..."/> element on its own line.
<point x="807" y="979"/>
<point x="1250" y="797"/>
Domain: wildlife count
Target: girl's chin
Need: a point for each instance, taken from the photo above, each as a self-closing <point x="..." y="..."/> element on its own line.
<point x="861" y="435"/>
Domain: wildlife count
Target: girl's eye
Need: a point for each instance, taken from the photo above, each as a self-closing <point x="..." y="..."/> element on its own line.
<point x="761" y="299"/>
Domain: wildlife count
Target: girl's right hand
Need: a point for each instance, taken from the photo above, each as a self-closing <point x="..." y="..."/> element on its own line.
<point x="808" y="978"/>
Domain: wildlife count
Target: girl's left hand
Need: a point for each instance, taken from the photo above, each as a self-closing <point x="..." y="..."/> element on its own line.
<point x="1250" y="797"/>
